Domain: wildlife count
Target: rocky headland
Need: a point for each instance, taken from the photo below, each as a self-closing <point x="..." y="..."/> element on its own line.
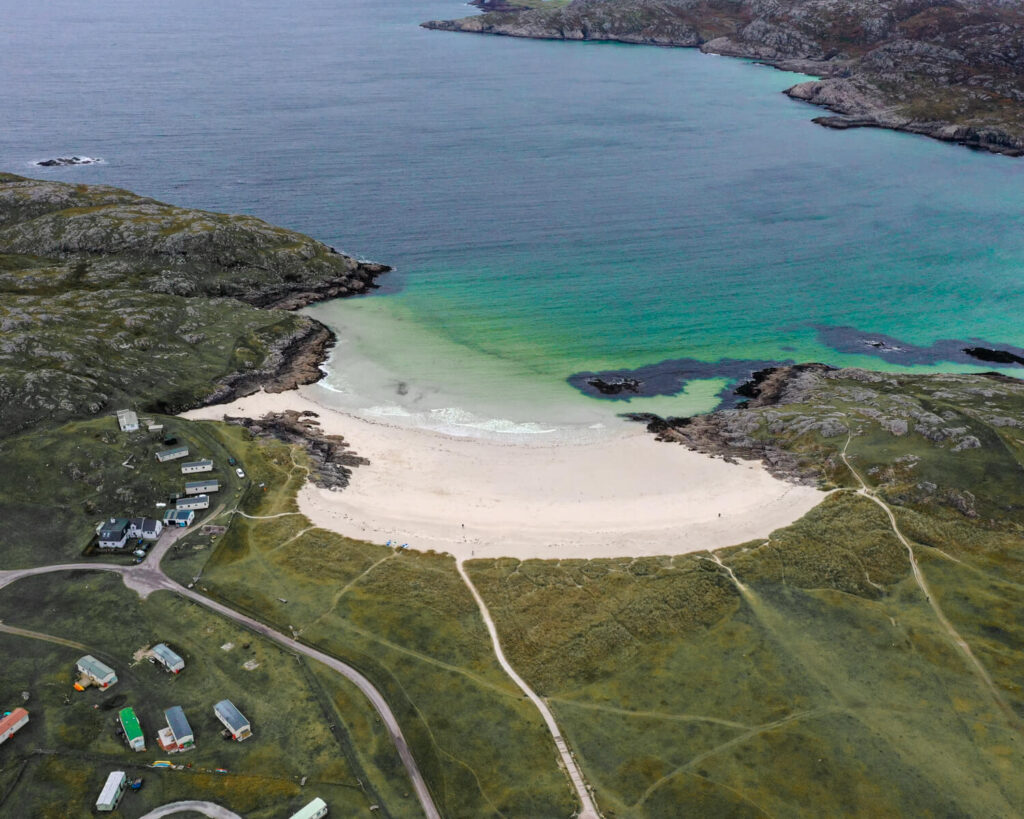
<point x="111" y="298"/>
<point x="933" y="436"/>
<point x="948" y="69"/>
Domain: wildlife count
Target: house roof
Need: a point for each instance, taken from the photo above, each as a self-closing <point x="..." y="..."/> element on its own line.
<point x="188" y="500"/>
<point x="164" y="653"/>
<point x="90" y="665"/>
<point x="130" y="722"/>
<point x="114" y="529"/>
<point x="177" y="723"/>
<point x="200" y="462"/>
<point x="231" y="715"/>
<point x="207" y="482"/>
<point x="12" y="718"/>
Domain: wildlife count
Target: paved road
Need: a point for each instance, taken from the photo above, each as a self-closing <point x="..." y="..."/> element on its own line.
<point x="205" y="808"/>
<point x="147" y="577"/>
<point x="589" y="809"/>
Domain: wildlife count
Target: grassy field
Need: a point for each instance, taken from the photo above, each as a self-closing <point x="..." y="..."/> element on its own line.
<point x="60" y="482"/>
<point x="407" y="621"/>
<point x="826" y="684"/>
<point x="306" y="721"/>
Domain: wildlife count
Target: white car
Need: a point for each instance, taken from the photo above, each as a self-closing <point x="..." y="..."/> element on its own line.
<point x="239" y="472"/>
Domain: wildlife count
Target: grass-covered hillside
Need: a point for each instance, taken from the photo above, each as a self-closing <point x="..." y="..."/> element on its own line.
<point x="808" y="674"/>
<point x="107" y="298"/>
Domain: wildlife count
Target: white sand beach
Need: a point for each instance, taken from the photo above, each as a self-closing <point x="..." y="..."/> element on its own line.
<point x="471" y="497"/>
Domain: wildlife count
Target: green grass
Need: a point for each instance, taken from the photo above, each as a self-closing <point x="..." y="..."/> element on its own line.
<point x="69" y="745"/>
<point x="60" y="482"/>
<point x="408" y="622"/>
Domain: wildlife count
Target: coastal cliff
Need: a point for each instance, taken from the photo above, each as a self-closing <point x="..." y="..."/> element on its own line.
<point x="109" y="298"/>
<point x="952" y="70"/>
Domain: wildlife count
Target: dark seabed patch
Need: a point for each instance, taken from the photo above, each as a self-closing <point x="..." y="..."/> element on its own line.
<point x="893" y="350"/>
<point x="669" y="378"/>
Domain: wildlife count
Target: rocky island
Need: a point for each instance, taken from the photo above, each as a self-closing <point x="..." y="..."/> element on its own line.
<point x="948" y="69"/>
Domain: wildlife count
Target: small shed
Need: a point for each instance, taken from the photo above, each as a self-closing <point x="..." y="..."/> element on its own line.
<point x="179" y="517"/>
<point x="112" y="791"/>
<point x="191" y="467"/>
<point x="232" y="719"/>
<point x="113" y="534"/>
<point x="172" y="454"/>
<point x="132" y="729"/>
<point x="193" y="502"/>
<point x="202" y="487"/>
<point x="168" y="659"/>
<point x="95" y="672"/>
<point x="127" y="420"/>
<point x="12" y="723"/>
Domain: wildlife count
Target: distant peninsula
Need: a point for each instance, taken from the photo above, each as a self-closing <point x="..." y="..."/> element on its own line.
<point x="948" y="69"/>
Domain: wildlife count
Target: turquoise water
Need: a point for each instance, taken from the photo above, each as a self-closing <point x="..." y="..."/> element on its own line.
<point x="549" y="207"/>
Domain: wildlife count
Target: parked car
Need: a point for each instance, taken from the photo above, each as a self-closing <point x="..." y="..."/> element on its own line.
<point x="239" y="472"/>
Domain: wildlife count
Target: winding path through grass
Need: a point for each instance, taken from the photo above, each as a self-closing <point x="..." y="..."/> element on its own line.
<point x="954" y="635"/>
<point x="589" y="808"/>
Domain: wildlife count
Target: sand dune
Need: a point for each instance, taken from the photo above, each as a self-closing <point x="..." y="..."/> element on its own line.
<point x="628" y="495"/>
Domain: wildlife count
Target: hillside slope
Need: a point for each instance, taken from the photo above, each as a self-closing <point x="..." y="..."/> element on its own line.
<point x="107" y="297"/>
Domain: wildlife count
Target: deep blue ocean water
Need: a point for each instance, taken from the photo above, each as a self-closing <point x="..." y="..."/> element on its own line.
<point x="549" y="207"/>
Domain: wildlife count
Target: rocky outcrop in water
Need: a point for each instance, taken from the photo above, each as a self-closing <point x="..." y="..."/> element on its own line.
<point x="62" y="161"/>
<point x="949" y="69"/>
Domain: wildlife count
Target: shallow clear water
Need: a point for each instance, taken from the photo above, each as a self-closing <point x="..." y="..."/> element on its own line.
<point x="549" y="207"/>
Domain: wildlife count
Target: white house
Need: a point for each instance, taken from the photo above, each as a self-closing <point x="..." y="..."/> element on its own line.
<point x="193" y="502"/>
<point x="113" y="534"/>
<point x="170" y="660"/>
<point x="127" y="420"/>
<point x="96" y="673"/>
<point x="146" y="528"/>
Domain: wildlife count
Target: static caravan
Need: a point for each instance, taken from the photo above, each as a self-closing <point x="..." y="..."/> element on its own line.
<point x="314" y="810"/>
<point x="95" y="673"/>
<point x="167" y="658"/>
<point x="202" y="487"/>
<point x="191" y="467"/>
<point x="112" y="791"/>
<point x="12" y="723"/>
<point x="132" y="729"/>
<point x="193" y="502"/>
<point x="166" y="455"/>
<point x="232" y="719"/>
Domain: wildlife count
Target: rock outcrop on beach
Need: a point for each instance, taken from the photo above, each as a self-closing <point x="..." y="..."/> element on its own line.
<point x="949" y="69"/>
<point x="331" y="461"/>
<point x="109" y="297"/>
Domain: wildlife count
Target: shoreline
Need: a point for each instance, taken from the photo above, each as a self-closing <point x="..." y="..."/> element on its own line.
<point x="474" y="498"/>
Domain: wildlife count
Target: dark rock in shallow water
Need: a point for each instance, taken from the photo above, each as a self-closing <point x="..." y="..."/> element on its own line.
<point x="994" y="356"/>
<point x="896" y="351"/>
<point x="667" y="378"/>
<point x="616" y="385"/>
<point x="61" y="161"/>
